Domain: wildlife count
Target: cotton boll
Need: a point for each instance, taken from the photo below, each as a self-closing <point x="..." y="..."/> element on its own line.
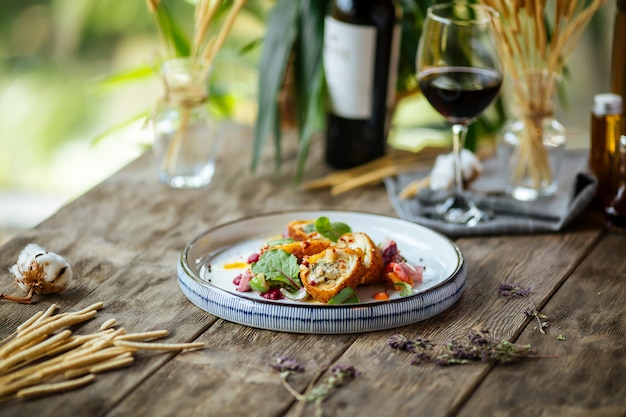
<point x="28" y="254"/>
<point x="41" y="271"/>
<point x="442" y="174"/>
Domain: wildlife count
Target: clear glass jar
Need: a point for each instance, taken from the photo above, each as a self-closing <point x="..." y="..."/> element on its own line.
<point x="531" y="145"/>
<point x="185" y="135"/>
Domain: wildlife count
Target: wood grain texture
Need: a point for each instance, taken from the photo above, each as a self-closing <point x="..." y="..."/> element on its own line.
<point x="124" y="237"/>
<point x="588" y="375"/>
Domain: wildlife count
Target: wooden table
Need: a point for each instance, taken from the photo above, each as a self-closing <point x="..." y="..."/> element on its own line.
<point x="124" y="237"/>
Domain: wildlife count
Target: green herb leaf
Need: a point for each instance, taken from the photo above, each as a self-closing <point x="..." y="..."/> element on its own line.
<point x="561" y="337"/>
<point x="299" y="295"/>
<point x="282" y="241"/>
<point x="407" y="289"/>
<point x="280" y="267"/>
<point x="345" y="296"/>
<point x="259" y="284"/>
<point x="331" y="231"/>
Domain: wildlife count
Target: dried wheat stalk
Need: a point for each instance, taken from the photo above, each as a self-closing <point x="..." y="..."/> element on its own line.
<point x="208" y="38"/>
<point x="537" y="38"/>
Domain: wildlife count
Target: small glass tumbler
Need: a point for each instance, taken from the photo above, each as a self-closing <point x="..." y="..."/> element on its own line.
<point x="185" y="134"/>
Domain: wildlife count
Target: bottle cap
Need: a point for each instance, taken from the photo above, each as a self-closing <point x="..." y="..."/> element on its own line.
<point x="607" y="103"/>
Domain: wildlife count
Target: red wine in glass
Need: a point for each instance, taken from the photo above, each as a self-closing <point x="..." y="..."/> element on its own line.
<point x="459" y="73"/>
<point x="460" y="94"/>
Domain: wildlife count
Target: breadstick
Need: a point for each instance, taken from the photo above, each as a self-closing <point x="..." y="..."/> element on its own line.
<point x="18" y="343"/>
<point x="29" y="321"/>
<point x="45" y="389"/>
<point x="157" y="334"/>
<point x="108" y="324"/>
<point x="33" y="352"/>
<point x="115" y="362"/>
<point x="159" y="346"/>
<point x="80" y="361"/>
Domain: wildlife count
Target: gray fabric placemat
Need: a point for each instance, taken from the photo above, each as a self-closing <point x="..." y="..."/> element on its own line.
<point x="576" y="190"/>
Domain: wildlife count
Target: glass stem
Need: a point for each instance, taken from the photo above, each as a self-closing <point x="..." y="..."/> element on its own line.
<point x="458" y="140"/>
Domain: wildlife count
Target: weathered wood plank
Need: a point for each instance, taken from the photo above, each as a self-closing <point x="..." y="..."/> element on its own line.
<point x="391" y="386"/>
<point x="388" y="382"/>
<point x="124" y="238"/>
<point x="588" y="375"/>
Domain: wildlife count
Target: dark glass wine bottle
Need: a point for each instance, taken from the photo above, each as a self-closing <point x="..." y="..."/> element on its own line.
<point x="361" y="42"/>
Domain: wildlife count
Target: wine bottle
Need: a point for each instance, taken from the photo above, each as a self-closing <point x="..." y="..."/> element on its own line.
<point x="361" y="44"/>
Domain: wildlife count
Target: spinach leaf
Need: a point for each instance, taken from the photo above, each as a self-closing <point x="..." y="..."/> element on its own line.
<point x="279" y="267"/>
<point x="331" y="231"/>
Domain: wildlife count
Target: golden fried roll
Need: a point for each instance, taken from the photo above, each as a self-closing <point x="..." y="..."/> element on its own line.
<point x="300" y="249"/>
<point x="302" y="230"/>
<point x="326" y="273"/>
<point x="371" y="253"/>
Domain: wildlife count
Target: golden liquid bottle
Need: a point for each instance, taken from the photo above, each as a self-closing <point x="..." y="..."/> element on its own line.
<point x="607" y="124"/>
<point x="618" y="57"/>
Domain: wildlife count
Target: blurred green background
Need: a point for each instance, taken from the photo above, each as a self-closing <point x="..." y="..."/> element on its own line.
<point x="76" y="78"/>
<point x="75" y="81"/>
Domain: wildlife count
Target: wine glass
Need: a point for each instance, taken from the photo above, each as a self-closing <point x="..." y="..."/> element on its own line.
<point x="458" y="70"/>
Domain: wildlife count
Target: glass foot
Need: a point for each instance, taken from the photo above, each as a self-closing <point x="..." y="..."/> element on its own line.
<point x="458" y="209"/>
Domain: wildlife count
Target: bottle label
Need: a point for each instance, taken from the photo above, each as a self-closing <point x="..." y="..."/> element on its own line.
<point x="393" y="69"/>
<point x="349" y="67"/>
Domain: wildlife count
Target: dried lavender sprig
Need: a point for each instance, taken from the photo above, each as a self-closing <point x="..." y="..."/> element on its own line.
<point x="401" y="342"/>
<point x="287" y="364"/>
<point x="339" y="376"/>
<point x="479" y="347"/>
<point x="514" y="290"/>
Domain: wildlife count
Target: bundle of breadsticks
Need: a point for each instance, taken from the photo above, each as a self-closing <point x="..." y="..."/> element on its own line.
<point x="44" y="357"/>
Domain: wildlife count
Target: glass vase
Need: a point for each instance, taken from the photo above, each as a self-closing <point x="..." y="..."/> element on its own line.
<point x="531" y="144"/>
<point x="185" y="134"/>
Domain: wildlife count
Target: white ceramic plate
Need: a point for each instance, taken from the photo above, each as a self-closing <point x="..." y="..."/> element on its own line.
<point x="205" y="278"/>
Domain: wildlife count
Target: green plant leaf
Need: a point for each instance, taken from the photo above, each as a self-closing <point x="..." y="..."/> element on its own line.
<point x="174" y="36"/>
<point x="280" y="266"/>
<point x="259" y="284"/>
<point x="102" y="135"/>
<point x="345" y="296"/>
<point x="282" y="28"/>
<point x="308" y="77"/>
<point x="120" y="78"/>
<point x="407" y="289"/>
<point x="331" y="230"/>
<point x="313" y="121"/>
